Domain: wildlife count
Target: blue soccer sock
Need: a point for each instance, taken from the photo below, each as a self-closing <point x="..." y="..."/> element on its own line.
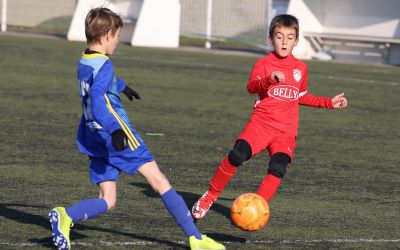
<point x="87" y="209"/>
<point x="177" y="207"/>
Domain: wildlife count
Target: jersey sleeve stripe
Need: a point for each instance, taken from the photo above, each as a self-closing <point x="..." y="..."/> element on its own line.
<point x="133" y="143"/>
<point x="125" y="128"/>
<point x="302" y="93"/>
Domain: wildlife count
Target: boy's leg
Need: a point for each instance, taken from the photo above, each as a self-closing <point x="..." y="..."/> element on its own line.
<point x="226" y="170"/>
<point x="177" y="207"/>
<point x="276" y="171"/>
<point x="91" y="208"/>
<point x="62" y="219"/>
<point x="103" y="174"/>
<point x="281" y="151"/>
<point x="172" y="200"/>
<point x="108" y="192"/>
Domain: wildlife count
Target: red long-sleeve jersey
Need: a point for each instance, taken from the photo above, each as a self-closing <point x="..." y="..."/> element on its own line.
<point x="277" y="103"/>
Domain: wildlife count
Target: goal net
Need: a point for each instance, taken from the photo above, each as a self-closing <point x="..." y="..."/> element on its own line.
<point x="243" y="21"/>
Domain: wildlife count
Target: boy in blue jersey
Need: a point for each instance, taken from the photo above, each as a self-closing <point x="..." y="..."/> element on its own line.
<point x="111" y="142"/>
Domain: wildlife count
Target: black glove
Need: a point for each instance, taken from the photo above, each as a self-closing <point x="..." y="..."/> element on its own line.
<point x="130" y="93"/>
<point x="119" y="140"/>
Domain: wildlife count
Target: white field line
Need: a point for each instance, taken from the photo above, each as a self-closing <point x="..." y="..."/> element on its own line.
<point x="337" y="241"/>
<point x="258" y="242"/>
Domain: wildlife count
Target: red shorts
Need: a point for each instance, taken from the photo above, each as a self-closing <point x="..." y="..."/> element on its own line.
<point x="261" y="137"/>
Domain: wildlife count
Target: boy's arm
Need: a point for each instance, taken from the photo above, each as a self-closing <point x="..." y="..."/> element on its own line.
<point x="307" y="99"/>
<point x="259" y="81"/>
<point x="338" y="101"/>
<point x="130" y="93"/>
<point x="120" y="83"/>
<point x="310" y="100"/>
<point x="316" y="101"/>
<point x="100" y="104"/>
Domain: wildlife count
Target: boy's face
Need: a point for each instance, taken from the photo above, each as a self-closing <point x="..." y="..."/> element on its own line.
<point x="112" y="41"/>
<point x="284" y="40"/>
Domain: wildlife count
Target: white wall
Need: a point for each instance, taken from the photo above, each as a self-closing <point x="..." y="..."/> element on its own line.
<point x="369" y="18"/>
<point x="355" y="17"/>
<point x="149" y="23"/>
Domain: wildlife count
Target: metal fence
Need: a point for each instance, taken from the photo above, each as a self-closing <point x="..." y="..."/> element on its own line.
<point x="241" y="20"/>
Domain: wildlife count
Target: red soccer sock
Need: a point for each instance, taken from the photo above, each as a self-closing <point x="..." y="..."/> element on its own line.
<point x="222" y="175"/>
<point x="269" y="186"/>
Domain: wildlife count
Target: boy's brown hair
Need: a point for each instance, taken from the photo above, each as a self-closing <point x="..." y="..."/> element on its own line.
<point x="99" y="22"/>
<point x="284" y="20"/>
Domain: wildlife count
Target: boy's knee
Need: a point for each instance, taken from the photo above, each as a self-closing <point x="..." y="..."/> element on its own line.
<point x="240" y="153"/>
<point x="153" y="175"/>
<point x="111" y="203"/>
<point x="278" y="164"/>
<point x="111" y="207"/>
<point x="160" y="183"/>
<point x="163" y="186"/>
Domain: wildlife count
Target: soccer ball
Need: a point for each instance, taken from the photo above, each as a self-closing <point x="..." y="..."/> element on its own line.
<point x="250" y="212"/>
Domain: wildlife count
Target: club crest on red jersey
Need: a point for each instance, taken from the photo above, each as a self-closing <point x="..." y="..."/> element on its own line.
<point x="297" y="75"/>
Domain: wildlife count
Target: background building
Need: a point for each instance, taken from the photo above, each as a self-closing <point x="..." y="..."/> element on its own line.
<point x="356" y="30"/>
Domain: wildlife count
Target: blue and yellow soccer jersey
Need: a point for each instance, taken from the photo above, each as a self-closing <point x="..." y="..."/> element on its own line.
<point x="103" y="112"/>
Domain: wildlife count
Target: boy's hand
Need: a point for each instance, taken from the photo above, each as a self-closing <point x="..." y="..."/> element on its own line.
<point x="130" y="93"/>
<point x="118" y="139"/>
<point x="277" y="76"/>
<point x="339" y="101"/>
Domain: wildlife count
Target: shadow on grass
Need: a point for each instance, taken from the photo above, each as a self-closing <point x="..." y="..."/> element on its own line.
<point x="8" y="211"/>
<point x="190" y="199"/>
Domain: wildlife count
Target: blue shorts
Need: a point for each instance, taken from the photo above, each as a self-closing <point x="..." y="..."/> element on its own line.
<point x="109" y="168"/>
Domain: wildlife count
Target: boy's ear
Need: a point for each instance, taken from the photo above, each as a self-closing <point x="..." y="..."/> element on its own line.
<point x="109" y="35"/>
<point x="270" y="39"/>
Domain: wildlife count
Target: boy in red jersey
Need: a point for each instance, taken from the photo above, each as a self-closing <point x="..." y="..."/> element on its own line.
<point x="280" y="81"/>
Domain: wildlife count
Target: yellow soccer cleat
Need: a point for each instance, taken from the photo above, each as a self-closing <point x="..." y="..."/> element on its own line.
<point x="204" y="243"/>
<point x="61" y="224"/>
